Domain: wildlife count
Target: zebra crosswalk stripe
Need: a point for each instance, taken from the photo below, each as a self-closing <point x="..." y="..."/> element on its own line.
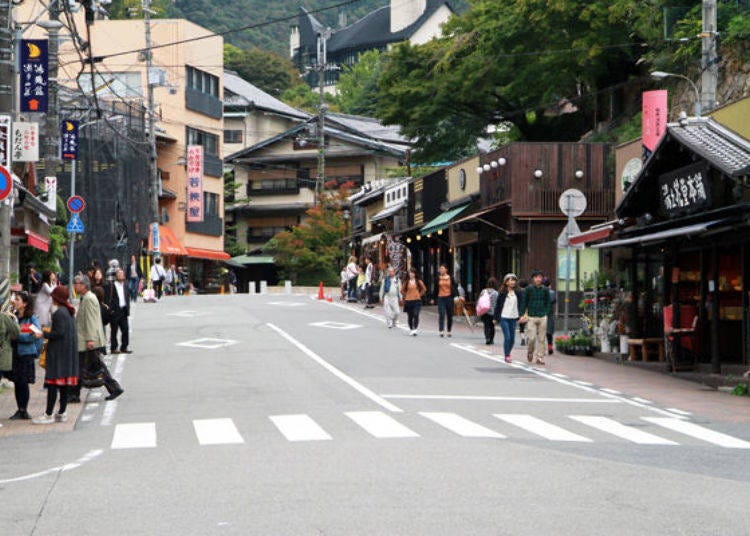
<point x="380" y="425"/>
<point x="615" y="428"/>
<point x="299" y="428"/>
<point x="461" y="426"/>
<point x="541" y="428"/>
<point x="699" y="432"/>
<point x="140" y="435"/>
<point x="217" y="432"/>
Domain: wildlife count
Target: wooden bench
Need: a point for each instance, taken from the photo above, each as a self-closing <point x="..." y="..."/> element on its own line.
<point x="652" y="346"/>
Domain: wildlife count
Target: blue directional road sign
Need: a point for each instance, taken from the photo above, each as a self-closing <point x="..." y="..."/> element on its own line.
<point x="75" y="225"/>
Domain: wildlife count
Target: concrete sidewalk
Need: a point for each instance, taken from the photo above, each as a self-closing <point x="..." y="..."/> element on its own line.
<point x="662" y="389"/>
<point x="37" y="406"/>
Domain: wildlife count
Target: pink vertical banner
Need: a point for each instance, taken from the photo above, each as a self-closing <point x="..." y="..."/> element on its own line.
<point x="195" y="183"/>
<point x="654" y="118"/>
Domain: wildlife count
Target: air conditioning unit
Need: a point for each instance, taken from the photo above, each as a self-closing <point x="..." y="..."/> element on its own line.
<point x="157" y="77"/>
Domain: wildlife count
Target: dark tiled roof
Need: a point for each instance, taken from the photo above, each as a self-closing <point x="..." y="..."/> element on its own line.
<point x="724" y="149"/>
<point x="372" y="30"/>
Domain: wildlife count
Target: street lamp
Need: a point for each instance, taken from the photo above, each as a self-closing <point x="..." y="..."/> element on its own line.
<point x="661" y="75"/>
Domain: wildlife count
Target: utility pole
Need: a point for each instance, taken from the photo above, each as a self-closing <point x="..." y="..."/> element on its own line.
<point x="322" y="60"/>
<point x="709" y="56"/>
<point x="6" y="107"/>
<point x="153" y="170"/>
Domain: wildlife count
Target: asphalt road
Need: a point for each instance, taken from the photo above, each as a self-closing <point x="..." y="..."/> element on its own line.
<point x="281" y="415"/>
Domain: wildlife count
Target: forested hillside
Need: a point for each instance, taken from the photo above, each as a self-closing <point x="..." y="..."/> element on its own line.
<point x="220" y="15"/>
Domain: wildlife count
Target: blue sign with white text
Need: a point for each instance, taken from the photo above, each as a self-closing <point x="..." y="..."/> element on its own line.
<point x="69" y="139"/>
<point x="34" y="82"/>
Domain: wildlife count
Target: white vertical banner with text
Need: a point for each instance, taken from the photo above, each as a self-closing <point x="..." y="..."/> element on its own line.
<point x="25" y="142"/>
<point x="50" y="188"/>
<point x="5" y="138"/>
<point x="195" y="183"/>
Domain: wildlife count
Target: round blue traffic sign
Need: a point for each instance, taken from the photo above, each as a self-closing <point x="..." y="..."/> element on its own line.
<point x="76" y="204"/>
<point x="6" y="183"/>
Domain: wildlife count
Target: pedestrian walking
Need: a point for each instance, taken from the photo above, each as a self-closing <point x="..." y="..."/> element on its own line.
<point x="344" y="283"/>
<point x="351" y="279"/>
<point x="118" y="304"/>
<point x="27" y="347"/>
<point x="537" y="305"/>
<point x="445" y="293"/>
<point x="32" y="280"/>
<point x="369" y="269"/>
<point x="412" y="291"/>
<point x="97" y="278"/>
<point x="182" y="281"/>
<point x="170" y="281"/>
<point x="9" y="329"/>
<point x="90" y="335"/>
<point x="158" y="276"/>
<point x="507" y="311"/>
<point x="43" y="301"/>
<point x="522" y="285"/>
<point x="61" y="368"/>
<point x="390" y="295"/>
<point x="114" y="265"/>
<point x="135" y="276"/>
<point x="550" y="317"/>
<point x="488" y="302"/>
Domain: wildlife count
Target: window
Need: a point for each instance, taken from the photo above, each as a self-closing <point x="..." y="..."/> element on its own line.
<point x="232" y="136"/>
<point x="258" y="234"/>
<point x="210" y="206"/>
<point x="274" y="184"/>
<point x="202" y="81"/>
<point x="126" y="84"/>
<point x="210" y="142"/>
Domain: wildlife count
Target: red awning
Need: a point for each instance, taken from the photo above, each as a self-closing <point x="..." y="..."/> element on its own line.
<point x="168" y="243"/>
<point x="591" y="235"/>
<point x="37" y="241"/>
<point x="198" y="253"/>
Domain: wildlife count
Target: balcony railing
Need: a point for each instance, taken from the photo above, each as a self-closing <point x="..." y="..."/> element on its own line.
<point x="203" y="103"/>
<point x="209" y="226"/>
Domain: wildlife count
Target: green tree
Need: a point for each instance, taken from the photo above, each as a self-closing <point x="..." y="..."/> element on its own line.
<point x="269" y="71"/>
<point x="358" y="85"/>
<point x="309" y="252"/>
<point x="125" y="9"/>
<point x="58" y="239"/>
<point x="503" y="59"/>
<point x="303" y="97"/>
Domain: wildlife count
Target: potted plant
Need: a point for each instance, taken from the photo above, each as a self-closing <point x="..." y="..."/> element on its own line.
<point x="562" y="343"/>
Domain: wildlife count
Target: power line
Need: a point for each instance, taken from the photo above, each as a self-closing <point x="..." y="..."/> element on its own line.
<point x="225" y="32"/>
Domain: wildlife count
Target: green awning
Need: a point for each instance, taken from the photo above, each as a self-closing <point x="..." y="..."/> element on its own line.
<point x="442" y="221"/>
<point x="244" y="260"/>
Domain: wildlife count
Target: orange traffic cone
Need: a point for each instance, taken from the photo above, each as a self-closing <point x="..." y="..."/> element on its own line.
<point x="330" y="298"/>
<point x="321" y="295"/>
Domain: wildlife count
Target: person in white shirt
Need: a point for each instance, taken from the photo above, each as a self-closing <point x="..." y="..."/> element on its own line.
<point x="368" y="283"/>
<point x="170" y="281"/>
<point x="158" y="275"/>
<point x="507" y="313"/>
<point x="351" y="278"/>
<point x="119" y="305"/>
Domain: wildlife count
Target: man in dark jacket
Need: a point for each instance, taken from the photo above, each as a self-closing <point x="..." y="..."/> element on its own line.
<point x="118" y="301"/>
<point x="537" y="305"/>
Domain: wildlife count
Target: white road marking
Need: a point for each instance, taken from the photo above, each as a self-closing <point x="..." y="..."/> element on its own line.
<point x="140" y="435"/>
<point x="642" y="400"/>
<point x="502" y="398"/>
<point x="119" y="367"/>
<point x="108" y="415"/>
<point x="335" y="325"/>
<point x="680" y="412"/>
<point x="579" y="382"/>
<point x="559" y="375"/>
<point x="90" y="455"/>
<point x="551" y="376"/>
<point x="699" y="432"/>
<point x="299" y="428"/>
<point x="461" y="426"/>
<point x="86" y="418"/>
<point x="382" y="402"/>
<point x="217" y="432"/>
<point x="620" y="430"/>
<point x="380" y="425"/>
<point x="541" y="428"/>
<point x="610" y="391"/>
<point x="207" y="343"/>
<point x="286" y="304"/>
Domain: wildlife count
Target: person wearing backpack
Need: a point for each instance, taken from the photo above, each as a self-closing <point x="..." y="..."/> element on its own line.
<point x="486" y="310"/>
<point x="507" y="311"/>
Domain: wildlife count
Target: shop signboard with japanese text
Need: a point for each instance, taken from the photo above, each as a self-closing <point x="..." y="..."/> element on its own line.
<point x="69" y="140"/>
<point x="34" y="75"/>
<point x="685" y="191"/>
<point x="25" y="142"/>
<point x="6" y="158"/>
<point x="654" y="122"/>
<point x="195" y="183"/>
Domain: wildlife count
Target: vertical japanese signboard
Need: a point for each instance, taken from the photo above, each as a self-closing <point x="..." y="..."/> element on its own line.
<point x="69" y="140"/>
<point x="25" y="142"/>
<point x="34" y="75"/>
<point x="5" y="138"/>
<point x="654" y="121"/>
<point x="195" y="183"/>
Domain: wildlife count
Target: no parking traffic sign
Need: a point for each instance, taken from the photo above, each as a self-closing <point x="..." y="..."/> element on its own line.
<point x="76" y="204"/>
<point x="6" y="183"/>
